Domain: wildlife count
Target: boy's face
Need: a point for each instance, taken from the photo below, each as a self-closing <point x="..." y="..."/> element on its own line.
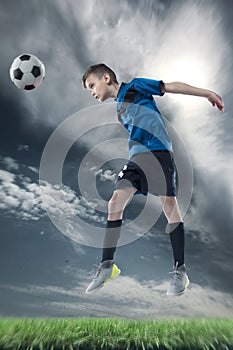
<point x="99" y="88"/>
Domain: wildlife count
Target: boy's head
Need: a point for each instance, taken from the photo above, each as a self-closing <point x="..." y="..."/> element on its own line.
<point x="99" y="80"/>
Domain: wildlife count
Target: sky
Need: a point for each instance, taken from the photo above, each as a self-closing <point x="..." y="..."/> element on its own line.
<point x="60" y="152"/>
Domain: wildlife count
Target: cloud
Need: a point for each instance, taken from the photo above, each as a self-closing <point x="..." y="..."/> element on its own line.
<point x="33" y="169"/>
<point x="21" y="200"/>
<point x="21" y="197"/>
<point x="129" y="298"/>
<point x="23" y="148"/>
<point x="60" y="201"/>
<point x="104" y="175"/>
<point x="10" y="163"/>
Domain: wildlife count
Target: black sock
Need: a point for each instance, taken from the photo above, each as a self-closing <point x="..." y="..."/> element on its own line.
<point x="112" y="235"/>
<point x="177" y="238"/>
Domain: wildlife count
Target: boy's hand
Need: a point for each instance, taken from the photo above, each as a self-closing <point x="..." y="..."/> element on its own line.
<point x="216" y="100"/>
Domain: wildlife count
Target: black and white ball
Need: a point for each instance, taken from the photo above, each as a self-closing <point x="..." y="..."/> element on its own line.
<point x="27" y="72"/>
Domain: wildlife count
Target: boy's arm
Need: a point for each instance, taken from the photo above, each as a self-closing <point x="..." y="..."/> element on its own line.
<point x="182" y="88"/>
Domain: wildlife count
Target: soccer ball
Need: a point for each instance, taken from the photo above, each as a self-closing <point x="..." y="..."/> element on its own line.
<point x="27" y="72"/>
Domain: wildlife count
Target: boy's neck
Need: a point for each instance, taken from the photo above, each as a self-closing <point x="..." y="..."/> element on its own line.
<point x="115" y="90"/>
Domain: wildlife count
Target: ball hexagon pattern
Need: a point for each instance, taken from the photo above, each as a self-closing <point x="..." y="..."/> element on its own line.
<point x="27" y="72"/>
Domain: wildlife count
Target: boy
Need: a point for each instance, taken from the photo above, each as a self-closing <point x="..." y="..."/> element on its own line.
<point x="148" y="141"/>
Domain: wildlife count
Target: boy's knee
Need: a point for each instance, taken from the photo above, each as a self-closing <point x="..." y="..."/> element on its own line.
<point x="114" y="197"/>
<point x="170" y="202"/>
<point x="119" y="200"/>
<point x="115" y="204"/>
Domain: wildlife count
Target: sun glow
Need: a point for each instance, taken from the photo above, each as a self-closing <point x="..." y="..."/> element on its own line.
<point x="189" y="70"/>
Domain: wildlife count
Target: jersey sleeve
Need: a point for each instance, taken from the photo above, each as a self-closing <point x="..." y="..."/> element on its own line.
<point x="149" y="86"/>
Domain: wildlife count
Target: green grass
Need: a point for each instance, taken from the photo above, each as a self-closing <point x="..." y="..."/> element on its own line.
<point x="110" y="333"/>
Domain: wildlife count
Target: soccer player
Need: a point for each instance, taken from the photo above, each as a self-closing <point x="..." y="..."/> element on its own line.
<point x="150" y="151"/>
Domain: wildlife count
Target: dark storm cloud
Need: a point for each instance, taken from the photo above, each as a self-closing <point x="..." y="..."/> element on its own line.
<point x="50" y="31"/>
<point x="212" y="211"/>
<point x="20" y="19"/>
<point x="64" y="22"/>
<point x="226" y="9"/>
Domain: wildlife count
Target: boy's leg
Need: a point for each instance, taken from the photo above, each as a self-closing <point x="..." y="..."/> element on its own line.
<point x="116" y="208"/>
<point x="108" y="269"/>
<point x="171" y="209"/>
<point x="175" y="228"/>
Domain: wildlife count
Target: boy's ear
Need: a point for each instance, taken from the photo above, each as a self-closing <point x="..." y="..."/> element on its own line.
<point x="107" y="78"/>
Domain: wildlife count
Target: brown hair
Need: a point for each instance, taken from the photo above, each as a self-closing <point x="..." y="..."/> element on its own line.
<point x="99" y="70"/>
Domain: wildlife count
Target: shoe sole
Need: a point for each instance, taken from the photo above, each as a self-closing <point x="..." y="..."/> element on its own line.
<point x="115" y="272"/>
<point x="182" y="292"/>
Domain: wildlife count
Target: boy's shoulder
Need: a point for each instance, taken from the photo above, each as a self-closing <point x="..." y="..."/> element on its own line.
<point x="134" y="82"/>
<point x="144" y="86"/>
<point x="141" y="81"/>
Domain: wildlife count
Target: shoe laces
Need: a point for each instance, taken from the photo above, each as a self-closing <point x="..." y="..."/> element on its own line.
<point x="98" y="273"/>
<point x="100" y="269"/>
<point x="177" y="275"/>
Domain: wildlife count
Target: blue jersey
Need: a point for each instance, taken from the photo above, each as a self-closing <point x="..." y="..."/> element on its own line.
<point x="137" y="111"/>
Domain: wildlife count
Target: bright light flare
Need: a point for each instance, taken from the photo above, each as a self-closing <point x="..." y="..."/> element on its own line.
<point x="190" y="70"/>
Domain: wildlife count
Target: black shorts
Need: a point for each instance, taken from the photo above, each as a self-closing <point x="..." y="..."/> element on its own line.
<point x="150" y="172"/>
